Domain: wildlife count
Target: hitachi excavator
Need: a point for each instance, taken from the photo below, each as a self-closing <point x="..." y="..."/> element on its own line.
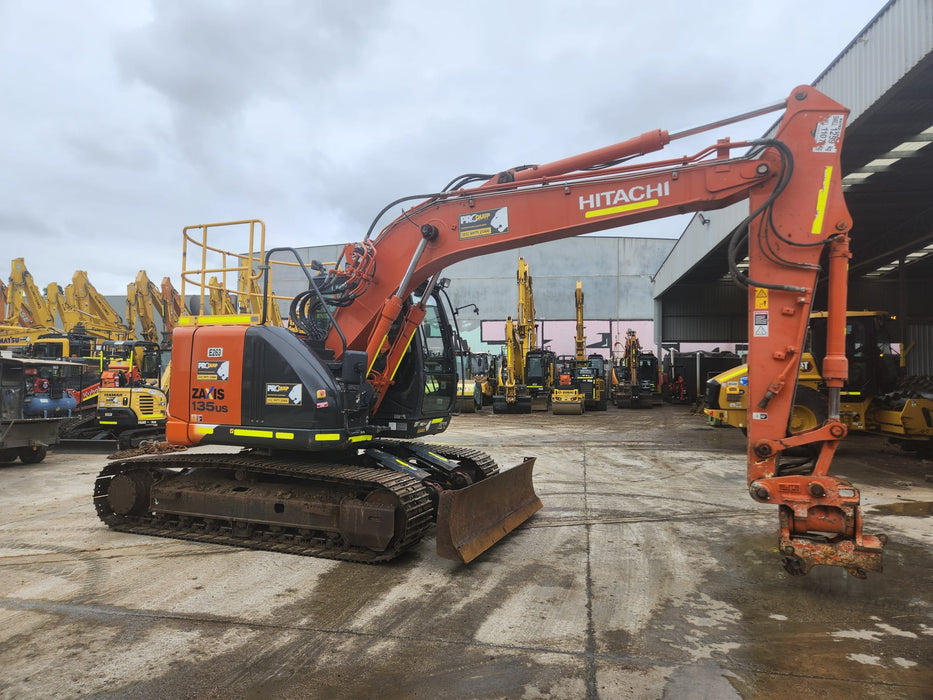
<point x="325" y="414"/>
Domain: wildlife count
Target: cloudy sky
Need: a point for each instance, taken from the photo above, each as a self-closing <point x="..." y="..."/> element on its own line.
<point x="122" y="121"/>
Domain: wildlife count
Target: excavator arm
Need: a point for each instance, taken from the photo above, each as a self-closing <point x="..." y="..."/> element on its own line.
<point x="95" y="313"/>
<point x="143" y="299"/>
<point x="26" y="307"/>
<point x="793" y="185"/>
<point x="172" y="307"/>
<point x="527" y="330"/>
<point x="579" y="339"/>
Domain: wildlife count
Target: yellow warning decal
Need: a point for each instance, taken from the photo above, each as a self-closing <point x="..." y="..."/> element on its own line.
<point x="817" y="228"/>
<point x="322" y="437"/>
<point x="761" y="298"/>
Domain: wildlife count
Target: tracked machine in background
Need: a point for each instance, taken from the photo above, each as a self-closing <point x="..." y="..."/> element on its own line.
<point x="518" y="393"/>
<point x="117" y="397"/>
<point x="143" y="301"/>
<point x="634" y="383"/>
<point x="130" y="405"/>
<point x="325" y="415"/>
<point x="572" y="388"/>
<point x="485" y="372"/>
<point x="540" y="369"/>
<point x="583" y="380"/>
<point x="878" y="398"/>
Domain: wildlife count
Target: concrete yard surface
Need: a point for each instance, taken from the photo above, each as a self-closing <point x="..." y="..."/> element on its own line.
<point x="649" y="573"/>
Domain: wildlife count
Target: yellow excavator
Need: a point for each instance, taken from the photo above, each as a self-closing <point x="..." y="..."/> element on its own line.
<point x="80" y="310"/>
<point x="143" y="298"/>
<point x="521" y="337"/>
<point x="568" y="399"/>
<point x="25" y="307"/>
<point x="116" y="395"/>
<point x="91" y="310"/>
<point x="634" y="381"/>
<point x="27" y="316"/>
<point x="173" y="308"/>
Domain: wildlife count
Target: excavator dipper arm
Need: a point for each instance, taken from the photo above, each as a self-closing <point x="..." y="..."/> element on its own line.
<point x="793" y="185"/>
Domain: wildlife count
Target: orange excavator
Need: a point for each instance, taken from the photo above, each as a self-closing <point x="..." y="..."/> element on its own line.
<point x="325" y="409"/>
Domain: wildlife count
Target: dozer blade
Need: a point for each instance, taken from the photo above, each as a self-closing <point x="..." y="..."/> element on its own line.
<point x="473" y="519"/>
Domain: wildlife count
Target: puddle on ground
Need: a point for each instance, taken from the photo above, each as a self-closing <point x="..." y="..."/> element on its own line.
<point x="917" y="509"/>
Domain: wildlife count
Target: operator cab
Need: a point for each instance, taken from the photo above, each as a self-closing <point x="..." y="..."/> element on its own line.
<point x="422" y="397"/>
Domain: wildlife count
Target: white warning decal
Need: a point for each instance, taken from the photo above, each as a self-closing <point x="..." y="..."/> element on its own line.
<point x="827" y="134"/>
<point x="760" y="324"/>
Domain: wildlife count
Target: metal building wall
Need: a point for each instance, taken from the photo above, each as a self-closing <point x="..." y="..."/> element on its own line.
<point x="617" y="276"/>
<point x="708" y="313"/>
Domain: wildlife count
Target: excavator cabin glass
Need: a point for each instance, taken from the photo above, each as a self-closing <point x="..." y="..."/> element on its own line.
<point x="440" y="375"/>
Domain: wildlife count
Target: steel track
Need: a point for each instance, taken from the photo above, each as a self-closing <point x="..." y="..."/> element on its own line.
<point x="413" y="498"/>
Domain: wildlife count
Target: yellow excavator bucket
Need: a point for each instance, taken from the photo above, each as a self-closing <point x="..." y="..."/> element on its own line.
<point x="473" y="519"/>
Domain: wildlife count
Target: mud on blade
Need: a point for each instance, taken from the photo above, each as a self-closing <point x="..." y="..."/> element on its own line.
<point x="473" y="519"/>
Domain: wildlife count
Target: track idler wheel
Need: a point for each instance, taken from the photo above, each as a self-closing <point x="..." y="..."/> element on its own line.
<point x="459" y="479"/>
<point x="128" y="493"/>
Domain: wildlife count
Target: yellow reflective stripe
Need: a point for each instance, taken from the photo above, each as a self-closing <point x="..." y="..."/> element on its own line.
<point x="228" y="319"/>
<point x="740" y="370"/>
<point x="204" y="429"/>
<point x="408" y="345"/>
<point x="437" y="420"/>
<point x="240" y="432"/>
<point x="323" y="437"/>
<point x="246" y="432"/>
<point x="361" y="438"/>
<point x="647" y="204"/>
<point x="821" y="202"/>
<point x="107" y="422"/>
<point x="378" y="352"/>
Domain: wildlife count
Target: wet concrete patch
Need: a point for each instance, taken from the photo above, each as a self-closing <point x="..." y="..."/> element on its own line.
<point x="827" y="633"/>
<point x="916" y="509"/>
<point x="649" y="573"/>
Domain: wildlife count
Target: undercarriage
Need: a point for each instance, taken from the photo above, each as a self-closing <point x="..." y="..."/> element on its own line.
<point x="345" y="506"/>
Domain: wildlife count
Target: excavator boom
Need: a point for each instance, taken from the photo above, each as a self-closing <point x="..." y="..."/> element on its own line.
<point x="797" y="210"/>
